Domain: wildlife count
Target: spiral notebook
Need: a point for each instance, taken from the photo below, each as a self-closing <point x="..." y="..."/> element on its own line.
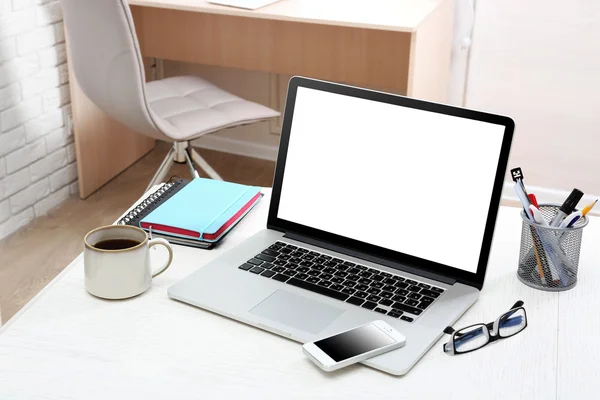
<point x="194" y="213"/>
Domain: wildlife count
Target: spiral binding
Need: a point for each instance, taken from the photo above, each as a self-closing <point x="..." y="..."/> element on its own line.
<point x="149" y="203"/>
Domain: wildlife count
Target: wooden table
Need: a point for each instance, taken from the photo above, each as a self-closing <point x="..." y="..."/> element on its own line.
<point x="401" y="46"/>
<point x="66" y="344"/>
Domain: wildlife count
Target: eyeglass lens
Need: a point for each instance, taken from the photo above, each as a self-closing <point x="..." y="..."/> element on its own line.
<point x="471" y="338"/>
<point x="512" y="322"/>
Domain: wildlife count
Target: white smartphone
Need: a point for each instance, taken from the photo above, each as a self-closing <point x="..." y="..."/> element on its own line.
<point x="354" y="345"/>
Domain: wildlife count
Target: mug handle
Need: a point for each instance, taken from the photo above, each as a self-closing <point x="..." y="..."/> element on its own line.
<point x="167" y="245"/>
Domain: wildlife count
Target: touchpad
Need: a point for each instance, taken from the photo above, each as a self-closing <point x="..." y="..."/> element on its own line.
<point x="297" y="312"/>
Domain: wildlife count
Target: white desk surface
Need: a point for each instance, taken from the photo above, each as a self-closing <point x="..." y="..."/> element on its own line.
<point x="66" y="344"/>
<point x="395" y="15"/>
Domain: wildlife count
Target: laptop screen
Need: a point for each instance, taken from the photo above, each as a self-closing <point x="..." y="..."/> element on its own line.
<point x="405" y="179"/>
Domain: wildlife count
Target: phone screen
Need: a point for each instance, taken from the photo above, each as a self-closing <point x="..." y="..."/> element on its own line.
<point x="352" y="343"/>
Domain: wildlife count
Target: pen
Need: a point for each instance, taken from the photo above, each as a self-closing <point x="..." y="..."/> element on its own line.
<point x="570" y="220"/>
<point x="567" y="207"/>
<point x="533" y="200"/>
<point x="538" y="218"/>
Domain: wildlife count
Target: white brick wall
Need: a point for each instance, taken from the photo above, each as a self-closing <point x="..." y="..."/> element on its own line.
<point x="37" y="154"/>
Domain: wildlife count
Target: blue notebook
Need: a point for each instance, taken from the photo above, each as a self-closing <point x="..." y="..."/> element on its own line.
<point x="205" y="209"/>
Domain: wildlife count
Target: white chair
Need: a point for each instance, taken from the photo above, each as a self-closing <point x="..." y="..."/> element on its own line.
<point x="107" y="64"/>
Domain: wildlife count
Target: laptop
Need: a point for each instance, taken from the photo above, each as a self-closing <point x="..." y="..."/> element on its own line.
<point x="383" y="207"/>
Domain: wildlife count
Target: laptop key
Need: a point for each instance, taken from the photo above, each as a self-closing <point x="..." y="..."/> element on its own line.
<point x="424" y="285"/>
<point x="312" y="279"/>
<point x="348" y="290"/>
<point x="413" y="288"/>
<point x="365" y="274"/>
<point x="430" y="293"/>
<point x="402" y="292"/>
<point x="267" y="265"/>
<point x="378" y="278"/>
<point x="336" y="287"/>
<point x="329" y="270"/>
<point x="280" y="262"/>
<point x="390" y="281"/>
<point x="271" y="253"/>
<point x="373" y="290"/>
<point x="399" y="278"/>
<point x="353" y="277"/>
<point x="401" y="285"/>
<point x="291" y="265"/>
<point x="414" y="296"/>
<point x="306" y="264"/>
<point x="314" y="253"/>
<point x="281" y="244"/>
<point x="373" y="298"/>
<point x="337" y="279"/>
<point x="411" y="302"/>
<point x="386" y="302"/>
<point x="326" y="257"/>
<point x="361" y="267"/>
<point x="330" y="264"/>
<point x="362" y="295"/>
<point x="341" y="274"/>
<point x="267" y="273"/>
<point x="280" y="278"/>
<point x="437" y="289"/>
<point x="369" y="305"/>
<point x="364" y="281"/>
<point x="337" y="260"/>
<point x="377" y="285"/>
<point x="423" y="306"/>
<point x="274" y="247"/>
<point x="246" y="266"/>
<point x="354" y="271"/>
<point x="410" y="281"/>
<point x="320" y="260"/>
<point x="426" y="299"/>
<point x="318" y="289"/>
<point x="324" y="283"/>
<point x="362" y="288"/>
<point x="389" y="288"/>
<point x="313" y="272"/>
<point x="286" y="250"/>
<point x="380" y="310"/>
<point x="296" y="254"/>
<point x="301" y="250"/>
<point x="277" y="269"/>
<point x="355" y="300"/>
<point x="308" y="257"/>
<point x="257" y="270"/>
<point x="302" y="276"/>
<point x="394" y="314"/>
<point x="302" y="269"/>
<point x="349" y="284"/>
<point x="386" y="295"/>
<point x="318" y="267"/>
<point x="348" y="263"/>
<point x="385" y="274"/>
<point x="399" y="299"/>
<point x="326" y="276"/>
<point x="289" y="246"/>
<point x="255" y="261"/>
<point x="407" y="308"/>
<point x="285" y="257"/>
<point x="288" y="272"/>
<point x="407" y="319"/>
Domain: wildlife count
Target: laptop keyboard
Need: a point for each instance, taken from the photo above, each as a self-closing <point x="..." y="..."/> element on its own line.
<point x="375" y="290"/>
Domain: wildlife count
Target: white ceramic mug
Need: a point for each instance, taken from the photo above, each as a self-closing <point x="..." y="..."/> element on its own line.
<point x="122" y="273"/>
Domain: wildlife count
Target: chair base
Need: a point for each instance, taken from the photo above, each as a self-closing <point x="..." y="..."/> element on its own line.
<point x="182" y="152"/>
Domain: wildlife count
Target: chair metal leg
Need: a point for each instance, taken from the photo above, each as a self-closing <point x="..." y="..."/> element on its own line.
<point x="190" y="164"/>
<point x="201" y="162"/>
<point x="162" y="171"/>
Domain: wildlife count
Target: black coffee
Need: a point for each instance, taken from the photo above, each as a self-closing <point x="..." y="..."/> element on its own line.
<point x="116" y="244"/>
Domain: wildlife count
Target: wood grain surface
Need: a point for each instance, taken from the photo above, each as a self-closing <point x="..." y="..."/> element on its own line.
<point x="152" y="347"/>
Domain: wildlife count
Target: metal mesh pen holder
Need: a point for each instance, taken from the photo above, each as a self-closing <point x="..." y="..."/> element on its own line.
<point x="549" y="257"/>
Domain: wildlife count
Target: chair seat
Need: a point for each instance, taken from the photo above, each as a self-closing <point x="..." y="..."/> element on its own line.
<point x="188" y="107"/>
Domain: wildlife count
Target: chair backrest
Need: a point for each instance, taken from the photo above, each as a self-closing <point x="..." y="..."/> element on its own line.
<point x="106" y="60"/>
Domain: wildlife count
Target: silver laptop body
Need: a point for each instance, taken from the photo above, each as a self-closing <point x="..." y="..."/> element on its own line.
<point x="383" y="207"/>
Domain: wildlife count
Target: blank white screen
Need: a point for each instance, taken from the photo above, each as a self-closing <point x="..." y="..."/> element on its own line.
<point x="408" y="180"/>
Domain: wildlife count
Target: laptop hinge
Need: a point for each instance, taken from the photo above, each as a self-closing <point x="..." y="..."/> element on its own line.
<point x="370" y="258"/>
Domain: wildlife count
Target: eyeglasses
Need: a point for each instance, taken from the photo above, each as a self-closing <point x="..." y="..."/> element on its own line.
<point x="477" y="336"/>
